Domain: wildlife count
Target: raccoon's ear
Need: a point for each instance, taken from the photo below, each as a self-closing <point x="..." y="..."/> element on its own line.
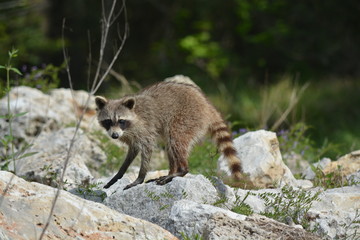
<point x="100" y="102"/>
<point x="129" y="103"/>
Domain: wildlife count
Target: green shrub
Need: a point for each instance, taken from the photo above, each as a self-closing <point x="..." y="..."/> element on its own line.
<point x="296" y="140"/>
<point x="335" y="179"/>
<point x="289" y="204"/>
<point x="87" y="189"/>
<point x="203" y="158"/>
<point x="44" y="78"/>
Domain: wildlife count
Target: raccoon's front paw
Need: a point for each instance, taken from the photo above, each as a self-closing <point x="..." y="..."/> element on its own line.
<point x="112" y="181"/>
<point x="130" y="186"/>
<point x="137" y="182"/>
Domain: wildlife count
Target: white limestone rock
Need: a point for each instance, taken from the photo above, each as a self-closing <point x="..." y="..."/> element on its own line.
<point x="154" y="202"/>
<point x="190" y="217"/>
<point x="261" y="160"/>
<point x="47" y="164"/>
<point x="347" y="165"/>
<point x="181" y="206"/>
<point x="25" y="208"/>
<point x="39" y="115"/>
<point x="310" y="174"/>
<point x="45" y="112"/>
<point x="337" y="214"/>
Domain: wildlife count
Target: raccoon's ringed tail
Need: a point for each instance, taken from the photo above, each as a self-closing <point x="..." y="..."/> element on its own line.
<point x="221" y="135"/>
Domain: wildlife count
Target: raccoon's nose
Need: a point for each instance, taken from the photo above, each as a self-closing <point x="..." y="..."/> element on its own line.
<point x="115" y="135"/>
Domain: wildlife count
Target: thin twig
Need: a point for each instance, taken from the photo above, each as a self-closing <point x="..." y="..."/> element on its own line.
<point x="89" y="62"/>
<point x="98" y="84"/>
<point x="104" y="37"/>
<point x="294" y="99"/>
<point x="95" y="86"/>
<point x="71" y="142"/>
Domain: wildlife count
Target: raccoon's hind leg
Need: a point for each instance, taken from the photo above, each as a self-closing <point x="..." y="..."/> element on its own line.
<point x="178" y="151"/>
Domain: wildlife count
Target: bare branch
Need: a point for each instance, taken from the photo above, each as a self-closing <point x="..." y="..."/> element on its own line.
<point x="294" y="99"/>
<point x="66" y="59"/>
<point x="65" y="55"/>
<point x="96" y="85"/>
<point x="104" y="38"/>
<point x="68" y="153"/>
<point x="121" y="78"/>
<point x="116" y="16"/>
<point x="6" y="189"/>
<point x="97" y="81"/>
<point x="89" y="63"/>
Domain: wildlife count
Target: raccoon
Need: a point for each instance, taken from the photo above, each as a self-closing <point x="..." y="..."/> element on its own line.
<point x="176" y="111"/>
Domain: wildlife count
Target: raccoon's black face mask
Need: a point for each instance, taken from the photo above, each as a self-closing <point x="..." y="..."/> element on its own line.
<point x="108" y="123"/>
<point x="115" y="129"/>
<point x="123" y="124"/>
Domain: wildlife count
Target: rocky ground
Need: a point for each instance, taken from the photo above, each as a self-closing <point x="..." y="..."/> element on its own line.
<point x="192" y="207"/>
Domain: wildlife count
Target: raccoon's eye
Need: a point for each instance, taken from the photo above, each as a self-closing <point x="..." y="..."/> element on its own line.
<point x="123" y="123"/>
<point x="106" y="124"/>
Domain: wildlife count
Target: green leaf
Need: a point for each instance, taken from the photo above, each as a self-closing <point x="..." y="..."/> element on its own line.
<point x="13" y="53"/>
<point x="20" y="154"/>
<point x="16" y="71"/>
<point x="6" y="116"/>
<point x="2" y="67"/>
<point x="4" y="142"/>
<point x="8" y="138"/>
<point x="27" y="155"/>
<point x="20" y="114"/>
<point x="5" y="167"/>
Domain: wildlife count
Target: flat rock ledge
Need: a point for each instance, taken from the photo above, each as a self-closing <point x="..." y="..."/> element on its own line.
<point x="25" y="208"/>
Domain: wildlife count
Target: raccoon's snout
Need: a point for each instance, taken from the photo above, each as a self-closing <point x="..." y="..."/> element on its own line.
<point x="115" y="135"/>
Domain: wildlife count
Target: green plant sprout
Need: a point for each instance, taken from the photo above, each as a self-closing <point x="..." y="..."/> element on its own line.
<point x="162" y="196"/>
<point x="8" y="140"/>
<point x="87" y="189"/>
<point x="192" y="237"/>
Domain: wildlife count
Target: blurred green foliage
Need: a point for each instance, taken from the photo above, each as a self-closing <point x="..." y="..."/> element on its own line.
<point x="23" y="26"/>
<point x="44" y="78"/>
<point x="252" y="57"/>
<point x="203" y="158"/>
<point x="296" y="140"/>
<point x="205" y="54"/>
<point x="335" y="179"/>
